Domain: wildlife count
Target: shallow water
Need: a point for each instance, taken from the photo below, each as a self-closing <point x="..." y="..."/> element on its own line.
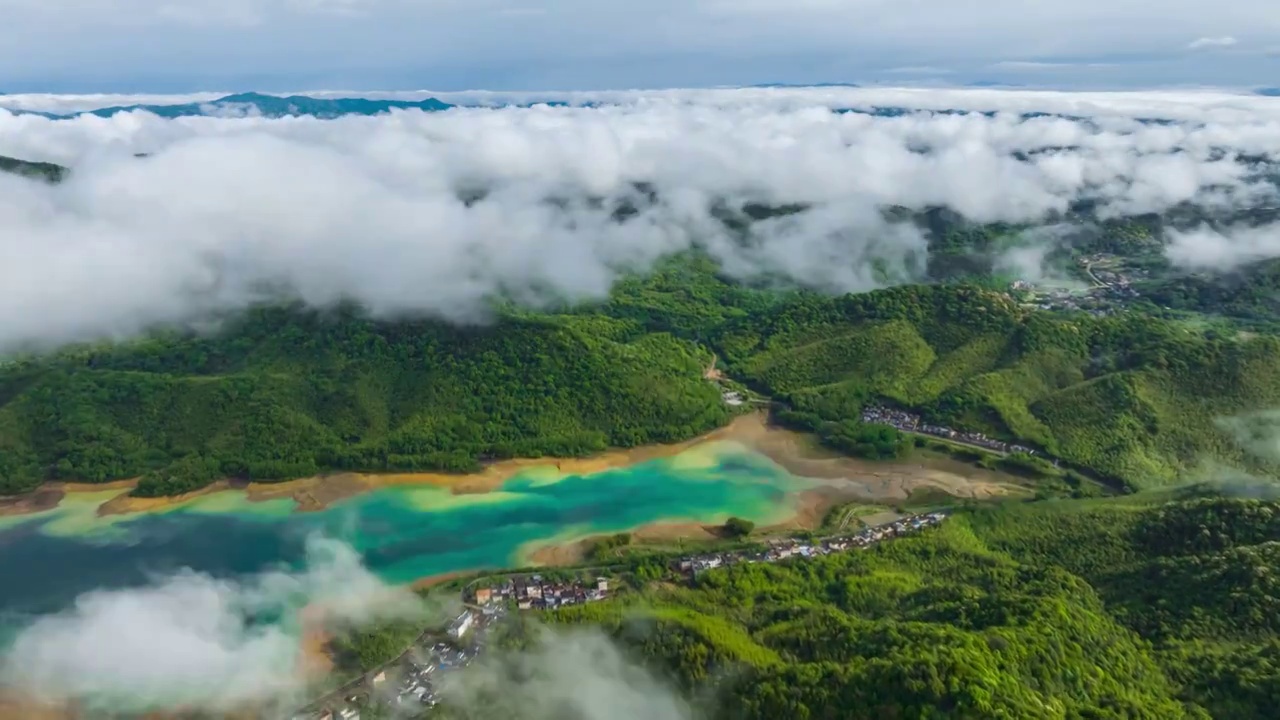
<point x="403" y="532"/>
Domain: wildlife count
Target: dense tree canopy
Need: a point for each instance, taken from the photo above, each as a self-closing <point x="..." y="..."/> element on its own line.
<point x="285" y="392"/>
<point x="1047" y="610"/>
<point x="1130" y="397"/>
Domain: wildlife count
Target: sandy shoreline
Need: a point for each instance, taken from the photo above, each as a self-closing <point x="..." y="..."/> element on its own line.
<point x="851" y="480"/>
<point x="843" y="479"/>
<point x="811" y="509"/>
<point x="441" y="578"/>
<point x="315" y="493"/>
<point x="795" y="452"/>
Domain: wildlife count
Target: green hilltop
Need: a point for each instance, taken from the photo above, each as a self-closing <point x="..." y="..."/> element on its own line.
<point x="1129" y="397"/>
<point x="1102" y="609"/>
<point x="38" y="170"/>
<point x="1133" y="397"/>
<point x="285" y="392"/>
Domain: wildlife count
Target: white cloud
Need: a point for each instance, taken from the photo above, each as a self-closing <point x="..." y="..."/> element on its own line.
<point x="573" y="673"/>
<point x="920" y="70"/>
<point x="138" y="14"/>
<point x="1257" y="433"/>
<point x="1208" y="249"/>
<point x="609" y="43"/>
<point x="194" y="642"/>
<point x="211" y="12"/>
<point x="1043" y="65"/>
<point x="522" y="12"/>
<point x="1212" y="42"/>
<point x="1194" y="106"/>
<point x="342" y="8"/>
<point x="368" y="207"/>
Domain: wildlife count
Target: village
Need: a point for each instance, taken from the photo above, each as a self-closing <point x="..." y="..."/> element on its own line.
<point x="1111" y="286"/>
<point x="412" y="683"/>
<point x="909" y="422"/>
<point x="535" y="593"/>
<point x="786" y="548"/>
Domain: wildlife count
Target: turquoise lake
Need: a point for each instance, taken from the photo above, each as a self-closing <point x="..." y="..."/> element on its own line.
<point x="403" y="532"/>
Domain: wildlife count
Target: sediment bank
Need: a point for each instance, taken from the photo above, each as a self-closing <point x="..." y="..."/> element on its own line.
<point x="793" y="451"/>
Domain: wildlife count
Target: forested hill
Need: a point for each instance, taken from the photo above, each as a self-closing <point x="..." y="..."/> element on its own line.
<point x="1132" y="397"/>
<point x="39" y="170"/>
<point x="286" y="392"/>
<point x="1108" y="610"/>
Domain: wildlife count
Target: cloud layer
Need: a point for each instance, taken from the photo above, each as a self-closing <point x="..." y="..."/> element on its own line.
<point x="437" y="213"/>
<point x="194" y="642"/>
<point x="180" y="44"/>
<point x="575" y="674"/>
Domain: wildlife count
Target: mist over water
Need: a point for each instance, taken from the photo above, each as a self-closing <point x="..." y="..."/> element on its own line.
<point x="402" y="533"/>
<point x="198" y="604"/>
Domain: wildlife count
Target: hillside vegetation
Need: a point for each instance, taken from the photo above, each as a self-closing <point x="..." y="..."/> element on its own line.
<point x="1131" y="397"/>
<point x="1094" y="609"/>
<point x="285" y="393"/>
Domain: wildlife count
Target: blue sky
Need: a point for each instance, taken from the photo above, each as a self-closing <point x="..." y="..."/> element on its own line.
<point x="185" y="45"/>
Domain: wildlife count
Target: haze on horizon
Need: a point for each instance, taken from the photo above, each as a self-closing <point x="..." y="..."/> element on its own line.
<point x="188" y="45"/>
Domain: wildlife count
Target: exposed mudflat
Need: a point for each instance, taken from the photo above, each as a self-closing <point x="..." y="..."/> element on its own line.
<point x="795" y="452"/>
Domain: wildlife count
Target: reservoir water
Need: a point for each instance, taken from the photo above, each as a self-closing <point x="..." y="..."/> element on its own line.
<point x="403" y="532"/>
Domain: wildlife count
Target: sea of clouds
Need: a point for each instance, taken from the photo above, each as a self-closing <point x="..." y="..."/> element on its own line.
<point x="224" y="212"/>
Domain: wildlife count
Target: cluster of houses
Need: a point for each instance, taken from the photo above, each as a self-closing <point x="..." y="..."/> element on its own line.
<point x="909" y="422"/>
<point x="788" y="548"/>
<point x="535" y="593"/>
<point x="418" y="673"/>
<point x="1097" y="301"/>
<point x="412" y="683"/>
<point x="1113" y="289"/>
<point x="1096" y="263"/>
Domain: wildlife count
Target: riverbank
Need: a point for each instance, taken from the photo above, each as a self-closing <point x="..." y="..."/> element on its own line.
<point x="810" y="510"/>
<point x="795" y="452"/>
<point x="315" y="493"/>
<point x="849" y="480"/>
<point x="50" y="495"/>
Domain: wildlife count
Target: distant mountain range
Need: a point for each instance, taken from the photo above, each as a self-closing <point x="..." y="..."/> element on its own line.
<point x="273" y="106"/>
<point x="254" y="104"/>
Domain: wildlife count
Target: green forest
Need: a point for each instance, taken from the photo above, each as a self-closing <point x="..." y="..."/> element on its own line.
<point x="1116" y="608"/>
<point x="39" y="170"/>
<point x="285" y="391"/>
<point x="1129" y="397"/>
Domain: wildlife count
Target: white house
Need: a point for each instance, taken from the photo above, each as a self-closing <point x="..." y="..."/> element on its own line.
<point x="461" y="625"/>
